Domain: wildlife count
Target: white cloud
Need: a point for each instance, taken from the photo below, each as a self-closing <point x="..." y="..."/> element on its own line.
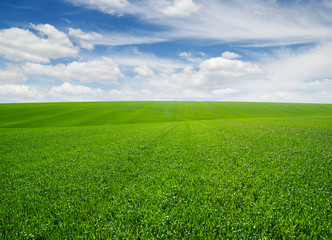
<point x="132" y="58"/>
<point x="181" y="8"/>
<point x="12" y="74"/>
<point x="323" y="96"/>
<point x="106" y="6"/>
<point x="193" y="57"/>
<point x="211" y="73"/>
<point x="144" y="72"/>
<point x="122" y="39"/>
<point x="230" y="55"/>
<point x="223" y="69"/>
<point x="185" y="54"/>
<point x="86" y="40"/>
<point x="225" y="91"/>
<point x="261" y="23"/>
<point x="179" y="80"/>
<point x="291" y="69"/>
<point x="70" y="92"/>
<point x="147" y="9"/>
<point x="255" y="22"/>
<point x="325" y="83"/>
<point x="275" y="97"/>
<point x="23" y="45"/>
<point x="20" y="93"/>
<point x="321" y="90"/>
<point x="293" y="75"/>
<point x="128" y="94"/>
<point x="103" y="70"/>
<point x="169" y="76"/>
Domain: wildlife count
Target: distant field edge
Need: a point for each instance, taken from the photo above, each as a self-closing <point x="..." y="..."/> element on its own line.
<point x="71" y="114"/>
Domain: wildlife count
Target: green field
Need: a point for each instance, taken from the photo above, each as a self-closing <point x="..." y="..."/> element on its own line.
<point x="165" y="170"/>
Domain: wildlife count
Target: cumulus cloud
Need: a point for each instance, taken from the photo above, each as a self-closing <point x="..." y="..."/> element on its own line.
<point x="18" y="44"/>
<point x="210" y="73"/>
<point x="20" y="93"/>
<point x="71" y="92"/>
<point x="291" y="74"/>
<point x="325" y="83"/>
<point x="68" y="91"/>
<point x="320" y="90"/>
<point x="12" y="74"/>
<point x="144" y="72"/>
<point x="223" y="69"/>
<point x="275" y="97"/>
<point x="86" y="40"/>
<point x="288" y="74"/>
<point x="169" y="76"/>
<point x="193" y="57"/>
<point x="225" y="91"/>
<point x="103" y="70"/>
<point x="230" y="55"/>
<point x="181" y="8"/>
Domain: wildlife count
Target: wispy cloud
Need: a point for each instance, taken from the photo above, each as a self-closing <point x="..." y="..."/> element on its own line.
<point x="263" y="21"/>
<point x="110" y="6"/>
<point x="88" y="40"/>
<point x="260" y="23"/>
<point x="290" y="69"/>
<point x="121" y="39"/>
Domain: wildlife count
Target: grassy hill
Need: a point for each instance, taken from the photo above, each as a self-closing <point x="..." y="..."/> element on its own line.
<point x="165" y="170"/>
<point x="111" y="113"/>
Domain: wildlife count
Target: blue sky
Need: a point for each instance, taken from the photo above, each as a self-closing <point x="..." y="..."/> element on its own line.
<point x="115" y="50"/>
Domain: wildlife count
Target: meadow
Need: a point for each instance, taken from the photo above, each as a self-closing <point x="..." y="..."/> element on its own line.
<point x="165" y="170"/>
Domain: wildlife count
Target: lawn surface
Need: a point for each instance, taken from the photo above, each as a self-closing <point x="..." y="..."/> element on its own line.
<point x="165" y="170"/>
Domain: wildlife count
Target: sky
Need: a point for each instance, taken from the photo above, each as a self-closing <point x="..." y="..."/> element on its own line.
<point x="195" y="50"/>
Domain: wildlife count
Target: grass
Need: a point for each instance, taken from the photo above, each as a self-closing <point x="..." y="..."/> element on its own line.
<point x="112" y="113"/>
<point x="165" y="170"/>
